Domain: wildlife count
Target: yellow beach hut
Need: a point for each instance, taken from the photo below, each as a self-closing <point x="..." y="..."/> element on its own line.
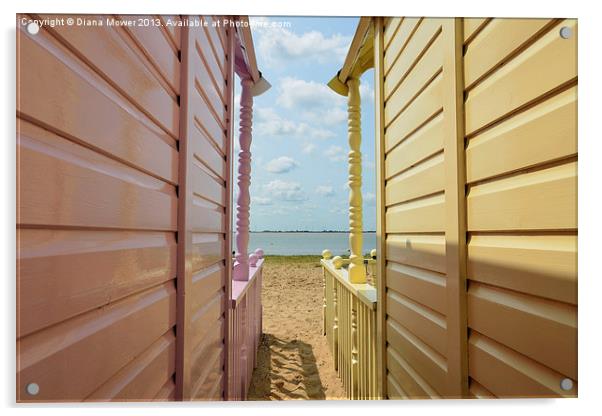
<point x="475" y="290"/>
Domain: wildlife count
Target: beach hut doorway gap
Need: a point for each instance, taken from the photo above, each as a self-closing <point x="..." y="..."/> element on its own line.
<point x="245" y="303"/>
<point x="349" y="298"/>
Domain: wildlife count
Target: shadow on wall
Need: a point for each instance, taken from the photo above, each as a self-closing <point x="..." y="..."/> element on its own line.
<point x="286" y="370"/>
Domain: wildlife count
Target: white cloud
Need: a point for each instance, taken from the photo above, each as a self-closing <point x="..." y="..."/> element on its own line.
<point x="281" y="164"/>
<point x="325" y="190"/>
<point x="318" y="104"/>
<point x="286" y="191"/>
<point x="278" y="45"/>
<point x="308" y="148"/>
<point x="336" y="153"/>
<point x="369" y="198"/>
<point x="259" y="200"/>
<point x="299" y="93"/>
<point x="271" y="124"/>
<point x="368" y="162"/>
<point x="366" y="94"/>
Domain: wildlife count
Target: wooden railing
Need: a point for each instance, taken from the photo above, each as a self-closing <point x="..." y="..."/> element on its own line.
<point x="246" y="329"/>
<point x="349" y="324"/>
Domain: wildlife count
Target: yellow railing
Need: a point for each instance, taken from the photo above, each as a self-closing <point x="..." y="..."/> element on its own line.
<point x="349" y="324"/>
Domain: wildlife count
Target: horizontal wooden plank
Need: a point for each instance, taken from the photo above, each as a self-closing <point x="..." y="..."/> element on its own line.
<point x="394" y="392"/>
<point x="423" y="251"/>
<point x="472" y="25"/>
<point x="202" y="47"/>
<point x="399" y="41"/>
<point x="204" y="356"/>
<point x="422" y="109"/>
<point x="541" y="265"/>
<point x="207" y="249"/>
<point x="167" y="392"/>
<point x="208" y="220"/>
<point x="211" y="386"/>
<point x="201" y="116"/>
<point x="144" y="376"/>
<point x="425" y="323"/>
<point x="425" y="287"/>
<point x="206" y="284"/>
<point x="206" y="86"/>
<point x="422" y="179"/>
<point x="495" y="43"/>
<point x="479" y="392"/>
<point x="391" y="25"/>
<point x="508" y="374"/>
<point x="413" y="112"/>
<point x="423" y="215"/>
<point x="222" y="34"/>
<point x="203" y="182"/>
<point x="72" y="359"/>
<point x="423" y="143"/>
<point x="419" y="62"/>
<point x="71" y="90"/>
<point x="116" y="264"/>
<point x="104" y="49"/>
<point x="429" y="364"/>
<point x="158" y="49"/>
<point x="546" y="132"/>
<point x="216" y="33"/>
<point x="515" y="84"/>
<point x="204" y="317"/>
<point x="202" y="146"/>
<point x="101" y="192"/>
<point x="542" y="329"/>
<point x="408" y="381"/>
<point x="540" y="200"/>
<point x="172" y="28"/>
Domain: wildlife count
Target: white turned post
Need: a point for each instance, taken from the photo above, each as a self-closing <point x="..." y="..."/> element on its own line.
<point x="241" y="265"/>
<point x="357" y="272"/>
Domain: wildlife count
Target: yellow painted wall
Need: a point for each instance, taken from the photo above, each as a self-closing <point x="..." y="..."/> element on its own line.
<point x="479" y="207"/>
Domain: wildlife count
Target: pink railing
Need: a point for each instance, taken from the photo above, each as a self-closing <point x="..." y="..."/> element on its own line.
<point x="245" y="326"/>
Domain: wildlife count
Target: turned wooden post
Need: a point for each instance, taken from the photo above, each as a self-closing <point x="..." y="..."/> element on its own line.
<point x="354" y="351"/>
<point x="241" y="265"/>
<point x="357" y="272"/>
<point x="335" y="327"/>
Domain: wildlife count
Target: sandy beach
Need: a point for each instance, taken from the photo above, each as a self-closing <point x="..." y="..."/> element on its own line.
<point x="294" y="361"/>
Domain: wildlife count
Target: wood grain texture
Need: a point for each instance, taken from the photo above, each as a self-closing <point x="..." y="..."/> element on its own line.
<point x="506" y="373"/>
<point x="72" y="359"/>
<point x="547" y="132"/>
<point x="541" y="329"/>
<point x="540" y="200"/>
<point x="521" y="81"/>
<point x="540" y="265"/>
<point x="105" y="49"/>
<point x="203" y="218"/>
<point x="521" y="161"/>
<point x="495" y="43"/>
<point x="115" y="127"/>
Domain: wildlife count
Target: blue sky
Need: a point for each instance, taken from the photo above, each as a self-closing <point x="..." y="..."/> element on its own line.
<point x="300" y="147"/>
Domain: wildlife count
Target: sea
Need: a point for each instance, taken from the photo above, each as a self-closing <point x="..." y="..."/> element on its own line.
<point x="302" y="243"/>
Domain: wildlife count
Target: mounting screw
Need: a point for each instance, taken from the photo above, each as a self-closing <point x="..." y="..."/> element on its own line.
<point x="33" y="389"/>
<point x="566" y="384"/>
<point x="565" y="32"/>
<point x="33" y="28"/>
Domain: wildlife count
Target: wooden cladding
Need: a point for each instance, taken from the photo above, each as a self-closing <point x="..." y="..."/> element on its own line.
<point x="479" y="206"/>
<point x="123" y="185"/>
